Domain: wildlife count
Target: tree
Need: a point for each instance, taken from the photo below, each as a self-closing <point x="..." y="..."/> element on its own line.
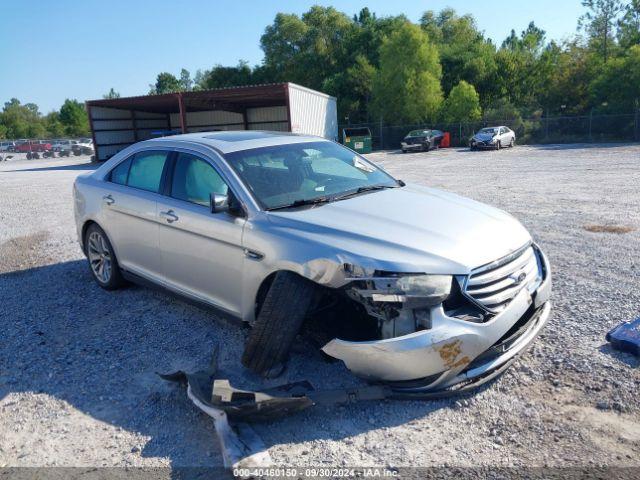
<point x="186" y="84"/>
<point x="53" y="125"/>
<point x="464" y="52"/>
<point x="629" y="25"/>
<point x="282" y="42"/>
<point x="407" y="87"/>
<point x="308" y="49"/>
<point x="111" y="94"/>
<point x="624" y="74"/>
<point x="219" y="76"/>
<point x="73" y="117"/>
<point x="165" y="83"/>
<point x="598" y="22"/>
<point x="462" y="104"/>
<point x="525" y="65"/>
<point x="21" y="121"/>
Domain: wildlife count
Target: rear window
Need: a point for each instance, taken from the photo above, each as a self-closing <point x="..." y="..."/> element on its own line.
<point x="146" y="171"/>
<point x="121" y="172"/>
<point x="142" y="170"/>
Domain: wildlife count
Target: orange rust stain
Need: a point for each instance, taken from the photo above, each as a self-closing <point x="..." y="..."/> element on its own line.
<point x="449" y="353"/>
<point x="463" y="361"/>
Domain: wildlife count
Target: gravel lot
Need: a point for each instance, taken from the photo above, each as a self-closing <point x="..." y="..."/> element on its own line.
<point x="77" y="381"/>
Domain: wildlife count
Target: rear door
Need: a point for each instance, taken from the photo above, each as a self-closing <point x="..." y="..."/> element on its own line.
<point x="130" y="206"/>
<point x="202" y="253"/>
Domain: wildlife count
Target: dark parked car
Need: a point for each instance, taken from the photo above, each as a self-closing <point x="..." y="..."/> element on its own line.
<point x="423" y="140"/>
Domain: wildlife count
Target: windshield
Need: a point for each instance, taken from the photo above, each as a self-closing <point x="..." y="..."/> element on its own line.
<point x="418" y="133"/>
<point x="283" y="174"/>
<point x="492" y="130"/>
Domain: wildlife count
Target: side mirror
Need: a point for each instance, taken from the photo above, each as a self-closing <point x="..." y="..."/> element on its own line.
<point x="218" y="203"/>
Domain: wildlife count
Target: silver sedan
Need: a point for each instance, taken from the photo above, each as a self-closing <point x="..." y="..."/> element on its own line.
<point x="408" y="285"/>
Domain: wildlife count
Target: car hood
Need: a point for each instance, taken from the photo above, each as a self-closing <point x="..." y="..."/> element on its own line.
<point x="409" y="137"/>
<point x="483" y="137"/>
<point x="409" y="229"/>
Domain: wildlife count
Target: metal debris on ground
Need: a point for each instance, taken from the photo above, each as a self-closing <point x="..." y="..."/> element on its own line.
<point x="231" y="408"/>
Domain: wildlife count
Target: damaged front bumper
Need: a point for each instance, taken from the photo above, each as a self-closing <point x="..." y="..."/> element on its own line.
<point x="452" y="350"/>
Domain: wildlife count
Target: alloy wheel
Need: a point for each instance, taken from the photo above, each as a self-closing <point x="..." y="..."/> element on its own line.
<point x="99" y="257"/>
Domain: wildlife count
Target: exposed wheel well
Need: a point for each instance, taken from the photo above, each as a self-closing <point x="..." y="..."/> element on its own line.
<point x="332" y="314"/>
<point x="262" y="293"/>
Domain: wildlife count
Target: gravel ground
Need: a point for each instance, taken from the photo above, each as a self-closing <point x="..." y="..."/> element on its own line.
<point x="77" y="364"/>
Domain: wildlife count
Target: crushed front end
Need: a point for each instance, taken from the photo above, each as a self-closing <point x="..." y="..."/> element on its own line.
<point x="437" y="331"/>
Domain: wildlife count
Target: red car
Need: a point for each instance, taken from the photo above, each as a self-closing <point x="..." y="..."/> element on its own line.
<point x="34" y="148"/>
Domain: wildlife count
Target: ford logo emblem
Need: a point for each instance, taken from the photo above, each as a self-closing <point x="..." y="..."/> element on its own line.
<point x="518" y="278"/>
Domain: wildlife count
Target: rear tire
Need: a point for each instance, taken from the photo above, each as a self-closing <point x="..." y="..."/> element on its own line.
<point x="512" y="142"/>
<point x="103" y="263"/>
<point x="279" y="321"/>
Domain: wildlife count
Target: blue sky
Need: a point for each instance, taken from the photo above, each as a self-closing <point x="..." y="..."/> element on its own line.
<point x="52" y="50"/>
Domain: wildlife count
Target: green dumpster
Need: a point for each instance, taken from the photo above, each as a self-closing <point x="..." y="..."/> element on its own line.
<point x="357" y="138"/>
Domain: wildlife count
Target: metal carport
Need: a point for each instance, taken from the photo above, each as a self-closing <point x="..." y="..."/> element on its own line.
<point x="118" y="122"/>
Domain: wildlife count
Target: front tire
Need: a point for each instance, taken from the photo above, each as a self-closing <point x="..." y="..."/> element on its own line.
<point x="103" y="263"/>
<point x="498" y="145"/>
<point x="512" y="142"/>
<point x="279" y="321"/>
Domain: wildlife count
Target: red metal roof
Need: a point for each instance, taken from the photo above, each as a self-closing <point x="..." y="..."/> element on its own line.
<point x="229" y="98"/>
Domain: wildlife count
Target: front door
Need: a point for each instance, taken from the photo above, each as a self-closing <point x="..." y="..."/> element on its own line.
<point x="202" y="254"/>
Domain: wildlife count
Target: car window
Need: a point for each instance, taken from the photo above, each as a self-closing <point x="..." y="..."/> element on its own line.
<point x="146" y="170"/>
<point x="195" y="179"/>
<point x="121" y="172"/>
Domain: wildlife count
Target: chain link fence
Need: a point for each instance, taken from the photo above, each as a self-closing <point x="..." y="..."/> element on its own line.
<point x="562" y="129"/>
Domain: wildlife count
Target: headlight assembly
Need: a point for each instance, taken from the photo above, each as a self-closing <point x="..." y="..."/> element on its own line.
<point x="423" y="289"/>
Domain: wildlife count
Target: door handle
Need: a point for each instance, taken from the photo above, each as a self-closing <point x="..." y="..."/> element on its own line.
<point x="108" y="199"/>
<point x="169" y="216"/>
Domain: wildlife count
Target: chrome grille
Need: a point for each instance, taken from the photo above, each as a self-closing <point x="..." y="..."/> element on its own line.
<point x="493" y="286"/>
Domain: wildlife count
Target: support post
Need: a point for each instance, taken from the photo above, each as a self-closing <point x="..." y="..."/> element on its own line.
<point x="134" y="123"/>
<point x="183" y="114"/>
<point x="244" y="119"/>
<point x="93" y="134"/>
<point x="288" y="100"/>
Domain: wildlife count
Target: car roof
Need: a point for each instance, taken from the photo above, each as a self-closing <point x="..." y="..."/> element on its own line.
<point x="236" y="140"/>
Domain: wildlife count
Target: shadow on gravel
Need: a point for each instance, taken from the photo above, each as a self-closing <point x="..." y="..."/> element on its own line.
<point x="622" y="357"/>
<point x="579" y="146"/>
<point x="79" y="166"/>
<point x="99" y="351"/>
<point x="430" y="152"/>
